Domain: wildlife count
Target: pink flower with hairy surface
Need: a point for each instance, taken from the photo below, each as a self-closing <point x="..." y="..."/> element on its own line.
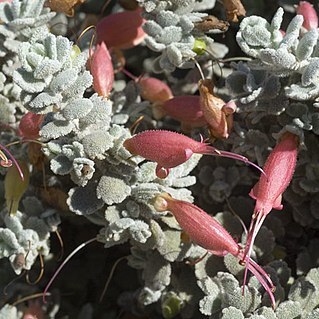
<point x="122" y="30"/>
<point x="205" y="231"/>
<point x="279" y="169"/>
<point x="101" y="68"/>
<point x="185" y="108"/>
<point x="29" y="125"/>
<point x="170" y="149"/>
<point x="154" y="90"/>
<point x="309" y="14"/>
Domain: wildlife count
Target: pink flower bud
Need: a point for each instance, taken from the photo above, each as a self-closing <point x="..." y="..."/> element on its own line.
<point x="101" y="68"/>
<point x="29" y="125"/>
<point x="154" y="90"/>
<point x="121" y="30"/>
<point x="170" y="149"/>
<point x="309" y="14"/>
<point x="205" y="231"/>
<point x="185" y="108"/>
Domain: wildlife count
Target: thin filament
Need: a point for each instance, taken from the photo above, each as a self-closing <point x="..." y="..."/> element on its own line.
<point x="110" y="277"/>
<point x="199" y="69"/>
<point x="253" y="231"/>
<point x="262" y="272"/>
<point x="61" y="244"/>
<point x="77" y="249"/>
<point x="40" y="274"/>
<point x="262" y="281"/>
<point x="235" y="214"/>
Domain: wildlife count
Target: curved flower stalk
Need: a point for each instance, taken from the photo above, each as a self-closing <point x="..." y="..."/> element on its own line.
<point x="205" y="231"/>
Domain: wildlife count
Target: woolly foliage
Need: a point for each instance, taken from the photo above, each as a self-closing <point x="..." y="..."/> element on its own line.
<point x="171" y="30"/>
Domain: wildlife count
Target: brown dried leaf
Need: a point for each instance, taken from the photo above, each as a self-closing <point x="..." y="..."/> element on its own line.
<point x="36" y="157"/>
<point x="64" y="6"/>
<point x="56" y="198"/>
<point x="234" y="9"/>
<point x="118" y="60"/>
<point x="219" y="123"/>
<point x="209" y="23"/>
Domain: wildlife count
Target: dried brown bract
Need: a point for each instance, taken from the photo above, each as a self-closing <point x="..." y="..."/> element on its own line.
<point x="234" y="9"/>
<point x="218" y="116"/>
<point x="210" y="23"/>
<point x="64" y="6"/>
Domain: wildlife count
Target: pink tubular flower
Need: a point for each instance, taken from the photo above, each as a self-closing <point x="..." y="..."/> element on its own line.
<point x="154" y="90"/>
<point x="121" y="30"/>
<point x="29" y="125"/>
<point x="279" y="169"/>
<point x="309" y="14"/>
<point x="101" y="68"/>
<point x="218" y="116"/>
<point x="170" y="149"/>
<point x="205" y="231"/>
<point x="185" y="108"/>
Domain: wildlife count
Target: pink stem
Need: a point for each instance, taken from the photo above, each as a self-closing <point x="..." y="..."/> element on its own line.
<point x="130" y="75"/>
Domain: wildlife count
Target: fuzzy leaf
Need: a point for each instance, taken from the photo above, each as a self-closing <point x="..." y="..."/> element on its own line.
<point x="231" y="312"/>
<point x="97" y="143"/>
<point x="112" y="190"/>
<point x="289" y="309"/>
<point x="77" y="109"/>
<point x="83" y="200"/>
